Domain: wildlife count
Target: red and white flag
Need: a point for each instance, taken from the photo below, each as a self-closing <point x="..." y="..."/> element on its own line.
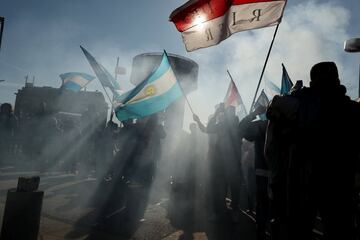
<point x="204" y="23"/>
<point x="233" y="98"/>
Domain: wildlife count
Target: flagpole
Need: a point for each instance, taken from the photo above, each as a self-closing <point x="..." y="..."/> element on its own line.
<point x="187" y="100"/>
<point x="2" y="21"/>
<point x="263" y="70"/>
<point x="112" y="106"/>
<point x="107" y="95"/>
<point x="181" y="88"/>
<point x="227" y="70"/>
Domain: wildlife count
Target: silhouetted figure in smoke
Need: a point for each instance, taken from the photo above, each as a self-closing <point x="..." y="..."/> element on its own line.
<point x="248" y="170"/>
<point x="8" y="125"/>
<point x="255" y="131"/>
<point x="70" y="145"/>
<point x="108" y="138"/>
<point x="185" y="192"/>
<point x="225" y="165"/>
<point x="313" y="137"/>
<point x="42" y="134"/>
<point x="91" y="129"/>
<point x="148" y="149"/>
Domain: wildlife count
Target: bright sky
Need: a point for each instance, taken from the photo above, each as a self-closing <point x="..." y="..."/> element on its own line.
<point x="42" y="38"/>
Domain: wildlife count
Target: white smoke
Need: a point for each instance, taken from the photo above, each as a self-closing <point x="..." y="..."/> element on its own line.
<point x="310" y="32"/>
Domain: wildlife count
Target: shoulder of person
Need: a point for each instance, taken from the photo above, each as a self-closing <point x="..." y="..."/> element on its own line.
<point x="285" y="106"/>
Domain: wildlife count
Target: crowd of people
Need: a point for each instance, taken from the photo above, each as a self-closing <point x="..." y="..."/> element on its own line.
<point x="300" y="153"/>
<point x="306" y="159"/>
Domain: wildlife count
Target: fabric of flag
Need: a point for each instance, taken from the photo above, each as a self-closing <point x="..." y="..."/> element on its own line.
<point x="286" y="83"/>
<point x="204" y="23"/>
<point x="272" y="89"/>
<point x="75" y="81"/>
<point x="152" y="95"/>
<point x="233" y="98"/>
<point x="102" y="74"/>
<point x="262" y="100"/>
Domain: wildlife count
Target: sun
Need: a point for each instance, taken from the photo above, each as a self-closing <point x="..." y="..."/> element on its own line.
<point x="199" y="20"/>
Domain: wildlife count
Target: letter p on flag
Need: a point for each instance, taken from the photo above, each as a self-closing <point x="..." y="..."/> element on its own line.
<point x="204" y="23"/>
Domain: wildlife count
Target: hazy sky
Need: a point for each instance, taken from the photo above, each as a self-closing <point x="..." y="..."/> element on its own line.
<point x="42" y="38"/>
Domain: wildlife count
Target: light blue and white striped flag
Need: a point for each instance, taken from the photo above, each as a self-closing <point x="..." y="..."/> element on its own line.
<point x="75" y="81"/>
<point x="272" y="89"/>
<point x="152" y="95"/>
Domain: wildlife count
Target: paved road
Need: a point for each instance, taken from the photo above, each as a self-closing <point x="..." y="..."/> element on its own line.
<point x="77" y="207"/>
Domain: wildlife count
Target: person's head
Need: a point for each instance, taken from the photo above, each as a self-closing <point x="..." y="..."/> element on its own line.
<point x="193" y="128"/>
<point x="324" y="75"/>
<point x="5" y="109"/>
<point x="220" y="107"/>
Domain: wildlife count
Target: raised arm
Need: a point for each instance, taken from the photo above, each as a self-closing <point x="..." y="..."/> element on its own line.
<point x="210" y="128"/>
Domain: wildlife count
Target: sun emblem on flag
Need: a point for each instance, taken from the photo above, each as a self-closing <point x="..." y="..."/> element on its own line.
<point x="150" y="90"/>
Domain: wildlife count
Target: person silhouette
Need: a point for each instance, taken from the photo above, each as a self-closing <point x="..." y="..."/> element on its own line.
<point x="312" y="144"/>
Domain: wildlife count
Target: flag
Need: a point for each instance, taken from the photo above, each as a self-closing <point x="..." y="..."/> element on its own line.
<point x="102" y="74"/>
<point x="262" y="100"/>
<point x="233" y="98"/>
<point x="272" y="88"/>
<point x="75" y="81"/>
<point x="286" y="83"/>
<point x="204" y="23"/>
<point x="152" y="95"/>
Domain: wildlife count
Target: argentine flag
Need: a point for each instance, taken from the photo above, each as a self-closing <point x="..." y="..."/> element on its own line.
<point x="272" y="89"/>
<point x="152" y="95"/>
<point x="75" y="81"/>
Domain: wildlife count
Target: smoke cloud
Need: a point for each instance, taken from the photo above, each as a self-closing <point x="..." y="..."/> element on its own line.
<point x="310" y="32"/>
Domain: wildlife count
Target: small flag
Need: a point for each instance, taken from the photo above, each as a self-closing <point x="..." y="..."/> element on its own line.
<point x="262" y="100"/>
<point x="75" y="81"/>
<point x="286" y="83"/>
<point x="204" y="23"/>
<point x="102" y="74"/>
<point x="272" y="88"/>
<point x="152" y="95"/>
<point x="233" y="98"/>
